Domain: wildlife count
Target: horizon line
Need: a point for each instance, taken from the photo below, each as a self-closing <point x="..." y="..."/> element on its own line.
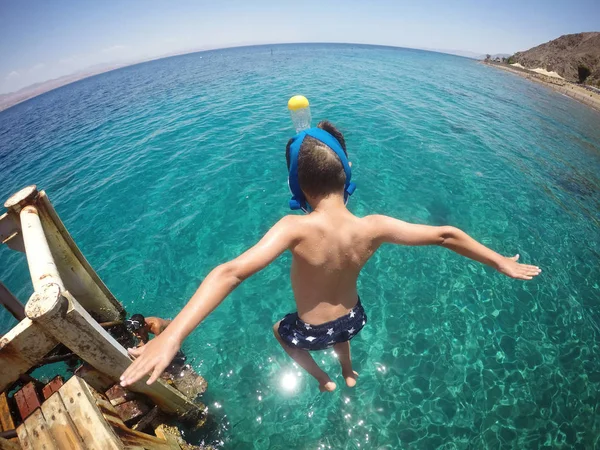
<point x="103" y="68"/>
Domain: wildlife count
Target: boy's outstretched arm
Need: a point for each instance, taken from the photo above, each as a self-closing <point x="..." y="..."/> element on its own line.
<point x="396" y="231"/>
<point x="156" y="355"/>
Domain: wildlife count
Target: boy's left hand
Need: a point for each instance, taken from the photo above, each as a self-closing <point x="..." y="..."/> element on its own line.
<point x="511" y="268"/>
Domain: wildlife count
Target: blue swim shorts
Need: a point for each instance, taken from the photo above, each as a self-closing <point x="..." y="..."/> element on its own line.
<point x="297" y="333"/>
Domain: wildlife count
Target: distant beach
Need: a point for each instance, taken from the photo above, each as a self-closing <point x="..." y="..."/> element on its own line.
<point x="577" y="92"/>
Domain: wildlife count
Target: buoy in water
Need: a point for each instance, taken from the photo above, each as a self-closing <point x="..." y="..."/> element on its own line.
<point x="300" y="112"/>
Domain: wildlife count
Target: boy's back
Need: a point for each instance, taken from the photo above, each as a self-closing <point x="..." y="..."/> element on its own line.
<point x="332" y="247"/>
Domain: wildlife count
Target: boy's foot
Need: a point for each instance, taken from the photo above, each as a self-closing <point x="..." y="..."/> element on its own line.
<point x="351" y="379"/>
<point x="328" y="386"/>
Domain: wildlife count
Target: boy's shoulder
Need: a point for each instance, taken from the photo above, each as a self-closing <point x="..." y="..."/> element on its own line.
<point x="295" y="219"/>
<point x="294" y="223"/>
<point x="305" y="222"/>
<point x="292" y="229"/>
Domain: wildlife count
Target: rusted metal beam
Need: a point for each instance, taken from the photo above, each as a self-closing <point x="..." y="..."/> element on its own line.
<point x="78" y="277"/>
<point x="10" y="302"/>
<point x="64" y="318"/>
<point x="10" y="226"/>
<point x="58" y="259"/>
<point x="22" y="198"/>
<point x="42" y="267"/>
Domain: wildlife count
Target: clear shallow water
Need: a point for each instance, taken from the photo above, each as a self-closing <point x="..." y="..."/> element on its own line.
<point x="165" y="169"/>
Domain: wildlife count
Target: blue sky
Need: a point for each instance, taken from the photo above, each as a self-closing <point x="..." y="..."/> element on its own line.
<point x="40" y="40"/>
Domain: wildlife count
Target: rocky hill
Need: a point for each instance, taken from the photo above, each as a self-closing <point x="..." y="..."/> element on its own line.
<point x="569" y="55"/>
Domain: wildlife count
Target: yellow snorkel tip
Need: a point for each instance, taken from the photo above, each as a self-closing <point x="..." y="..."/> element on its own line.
<point x="297" y="102"/>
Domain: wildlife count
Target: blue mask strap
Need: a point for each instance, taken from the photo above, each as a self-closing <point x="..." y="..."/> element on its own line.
<point x="298" y="200"/>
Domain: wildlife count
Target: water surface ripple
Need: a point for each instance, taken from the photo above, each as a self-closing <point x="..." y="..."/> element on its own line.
<point x="163" y="170"/>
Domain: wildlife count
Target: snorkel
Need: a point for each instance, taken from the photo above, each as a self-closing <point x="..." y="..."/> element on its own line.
<point x="300" y="112"/>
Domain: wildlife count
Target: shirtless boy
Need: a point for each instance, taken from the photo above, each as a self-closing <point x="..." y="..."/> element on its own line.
<point x="329" y="246"/>
<point x="142" y="327"/>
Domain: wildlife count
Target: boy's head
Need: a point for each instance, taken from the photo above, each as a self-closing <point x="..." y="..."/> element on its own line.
<point x="320" y="171"/>
<point x="135" y="323"/>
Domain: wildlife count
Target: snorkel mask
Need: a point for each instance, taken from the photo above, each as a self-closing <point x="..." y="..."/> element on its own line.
<point x="135" y="323"/>
<point x="298" y="200"/>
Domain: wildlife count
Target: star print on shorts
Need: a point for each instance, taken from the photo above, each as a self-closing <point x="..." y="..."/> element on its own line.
<point x="297" y="333"/>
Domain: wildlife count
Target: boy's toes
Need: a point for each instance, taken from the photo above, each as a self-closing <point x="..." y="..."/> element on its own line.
<point x="351" y="379"/>
<point x="327" y="387"/>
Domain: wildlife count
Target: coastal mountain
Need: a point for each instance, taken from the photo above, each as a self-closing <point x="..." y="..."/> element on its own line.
<point x="12" y="98"/>
<point x="572" y="56"/>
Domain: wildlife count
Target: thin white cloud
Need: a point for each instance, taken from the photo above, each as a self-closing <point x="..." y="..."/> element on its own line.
<point x="12" y="75"/>
<point x="37" y="67"/>
<point x="114" y="49"/>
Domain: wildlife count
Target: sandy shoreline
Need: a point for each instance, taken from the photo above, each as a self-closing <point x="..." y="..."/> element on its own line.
<point x="574" y="91"/>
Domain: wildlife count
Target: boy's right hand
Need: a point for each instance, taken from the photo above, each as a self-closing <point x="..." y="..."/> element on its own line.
<point x="511" y="268"/>
<point x="152" y="358"/>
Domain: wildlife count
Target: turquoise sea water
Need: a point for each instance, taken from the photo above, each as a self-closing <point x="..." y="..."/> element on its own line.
<point x="165" y="169"/>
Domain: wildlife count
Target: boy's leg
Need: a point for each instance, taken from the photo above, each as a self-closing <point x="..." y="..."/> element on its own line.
<point x="342" y="350"/>
<point x="306" y="361"/>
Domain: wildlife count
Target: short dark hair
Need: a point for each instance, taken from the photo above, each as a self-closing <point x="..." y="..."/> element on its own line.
<point x="320" y="171"/>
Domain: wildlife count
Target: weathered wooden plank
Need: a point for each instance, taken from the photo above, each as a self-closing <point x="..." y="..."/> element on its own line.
<point x="135" y="438"/>
<point x="61" y="426"/>
<point x="24" y="437"/>
<point x="6" y="420"/>
<point x="94" y="378"/>
<point x="170" y="434"/>
<point x="78" y="276"/>
<point x="128" y="436"/>
<point x="38" y="431"/>
<point x="63" y="317"/>
<point x="24" y="346"/>
<point x="13" y="444"/>
<point x="87" y="417"/>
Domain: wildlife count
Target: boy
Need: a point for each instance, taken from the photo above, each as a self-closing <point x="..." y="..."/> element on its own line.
<point x="142" y="327"/>
<point x="329" y="246"/>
